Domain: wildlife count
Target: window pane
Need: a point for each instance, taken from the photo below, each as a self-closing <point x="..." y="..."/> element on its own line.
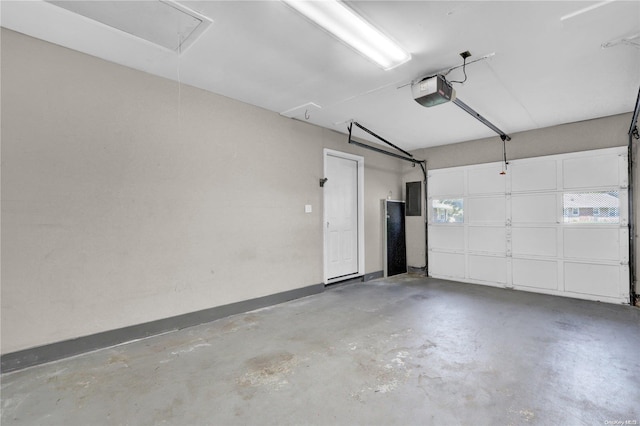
<point x="447" y="211"/>
<point x="591" y="207"/>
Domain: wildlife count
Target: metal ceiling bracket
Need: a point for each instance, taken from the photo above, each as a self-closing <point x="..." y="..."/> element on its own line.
<point x="407" y="157"/>
<point x="382" y="139"/>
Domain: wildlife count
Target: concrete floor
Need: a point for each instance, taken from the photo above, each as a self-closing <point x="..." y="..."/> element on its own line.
<point x="407" y="350"/>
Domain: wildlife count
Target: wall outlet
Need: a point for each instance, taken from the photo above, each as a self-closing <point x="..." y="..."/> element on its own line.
<point x="307" y="208"/>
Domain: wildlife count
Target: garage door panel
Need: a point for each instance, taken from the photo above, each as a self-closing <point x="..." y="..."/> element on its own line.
<point x="486" y="210"/>
<point x="446" y="183"/>
<point x="598" y="280"/>
<point x="446" y="238"/>
<point x="595" y="244"/>
<point x="534" y="176"/>
<point x="551" y="225"/>
<point x="488" y="268"/>
<point x="539" y="208"/>
<point x="535" y="241"/>
<point x="489" y="239"/>
<point x="485" y="181"/>
<point x="590" y="172"/>
<point x="447" y="264"/>
<point x="535" y="273"/>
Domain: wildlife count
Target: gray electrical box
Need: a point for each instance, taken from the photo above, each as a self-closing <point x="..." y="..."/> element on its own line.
<point x="413" y="197"/>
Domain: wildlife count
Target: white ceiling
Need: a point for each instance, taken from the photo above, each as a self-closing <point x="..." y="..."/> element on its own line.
<point x="545" y="70"/>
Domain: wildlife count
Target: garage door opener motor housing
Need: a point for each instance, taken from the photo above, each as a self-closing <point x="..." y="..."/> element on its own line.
<point x="433" y="91"/>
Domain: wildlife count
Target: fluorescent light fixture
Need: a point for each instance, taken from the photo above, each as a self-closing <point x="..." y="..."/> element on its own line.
<point x="585" y="10"/>
<point x="346" y="25"/>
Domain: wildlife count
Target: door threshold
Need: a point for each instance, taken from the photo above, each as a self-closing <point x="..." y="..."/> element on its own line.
<point x="349" y="279"/>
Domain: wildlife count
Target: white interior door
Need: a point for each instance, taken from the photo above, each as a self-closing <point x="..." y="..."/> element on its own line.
<point x="341" y="195"/>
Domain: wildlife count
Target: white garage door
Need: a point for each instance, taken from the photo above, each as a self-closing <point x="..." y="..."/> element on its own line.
<point x="555" y="224"/>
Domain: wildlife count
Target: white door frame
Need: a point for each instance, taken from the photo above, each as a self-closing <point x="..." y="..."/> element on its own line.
<point x="360" y="161"/>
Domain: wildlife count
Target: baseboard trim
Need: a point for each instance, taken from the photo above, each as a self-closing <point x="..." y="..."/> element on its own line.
<point x="415" y="269"/>
<point x="359" y="279"/>
<point x="55" y="351"/>
<point x="373" y="276"/>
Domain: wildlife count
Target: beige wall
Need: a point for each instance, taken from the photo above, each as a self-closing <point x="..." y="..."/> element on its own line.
<point x="123" y="202"/>
<point x="582" y="136"/>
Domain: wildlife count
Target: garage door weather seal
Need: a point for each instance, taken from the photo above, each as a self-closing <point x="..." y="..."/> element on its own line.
<point x="633" y="134"/>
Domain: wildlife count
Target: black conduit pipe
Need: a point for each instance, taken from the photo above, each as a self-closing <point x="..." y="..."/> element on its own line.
<point x="423" y="166"/>
<point x="633" y="133"/>
<point x="632" y="237"/>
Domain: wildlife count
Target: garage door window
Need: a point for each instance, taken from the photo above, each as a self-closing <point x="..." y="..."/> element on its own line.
<point x="448" y="211"/>
<point x="591" y="207"/>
